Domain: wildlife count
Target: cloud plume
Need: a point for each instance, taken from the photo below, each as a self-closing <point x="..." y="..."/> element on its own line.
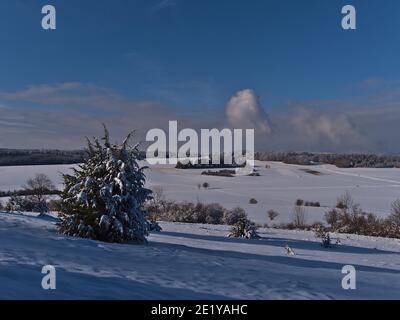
<point x="245" y="111"/>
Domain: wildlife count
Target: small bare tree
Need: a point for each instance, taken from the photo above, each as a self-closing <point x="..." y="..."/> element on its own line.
<point x="394" y="218"/>
<point x="40" y="186"/>
<point x="345" y="201"/>
<point x="272" y="214"/>
<point x="156" y="204"/>
<point x="396" y="207"/>
<point x="158" y="195"/>
<point x="299" y="216"/>
<point x="37" y="191"/>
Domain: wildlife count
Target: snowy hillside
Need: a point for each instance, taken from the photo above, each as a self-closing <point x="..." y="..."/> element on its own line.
<point x="192" y="262"/>
<point x="278" y="187"/>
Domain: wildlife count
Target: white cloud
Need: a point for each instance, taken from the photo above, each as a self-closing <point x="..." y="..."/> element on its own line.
<point x="244" y="111"/>
<point x="331" y="128"/>
<point x="61" y="115"/>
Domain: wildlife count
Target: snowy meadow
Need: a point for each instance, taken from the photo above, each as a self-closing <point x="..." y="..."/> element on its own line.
<point x="199" y="261"/>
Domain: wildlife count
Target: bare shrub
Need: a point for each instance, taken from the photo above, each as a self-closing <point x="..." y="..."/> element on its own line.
<point x="301" y="202"/>
<point x="41" y="185"/>
<point x="299" y="216"/>
<point x="212" y="213"/>
<point x="356" y="221"/>
<point x="312" y="204"/>
<point x="186" y="212"/>
<point x="38" y="188"/>
<point x="253" y="201"/>
<point x="156" y="204"/>
<point x="393" y="221"/>
<point x="220" y="173"/>
<point x="396" y="207"/>
<point x="54" y="205"/>
<point x="272" y="214"/>
<point x="345" y="201"/>
<point x="158" y="195"/>
<point x="333" y="218"/>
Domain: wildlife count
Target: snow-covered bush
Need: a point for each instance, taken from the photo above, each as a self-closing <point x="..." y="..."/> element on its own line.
<point x="233" y="216"/>
<point x="103" y="198"/>
<point x="34" y="196"/>
<point x="188" y="212"/>
<point x="179" y="212"/>
<point x="26" y="204"/>
<point x="244" y="228"/>
<point x="153" y="226"/>
<point x="322" y="234"/>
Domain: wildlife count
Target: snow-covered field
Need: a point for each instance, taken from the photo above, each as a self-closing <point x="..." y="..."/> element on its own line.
<point x="200" y="261"/>
<point x="277" y="188"/>
<point x="192" y="262"/>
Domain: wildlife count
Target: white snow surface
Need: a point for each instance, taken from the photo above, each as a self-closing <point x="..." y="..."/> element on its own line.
<point x="199" y="261"/>
<point x="192" y="262"/>
<point x="277" y="188"/>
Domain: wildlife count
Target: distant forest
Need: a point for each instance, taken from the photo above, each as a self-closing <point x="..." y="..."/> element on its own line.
<point x="339" y="160"/>
<point x="11" y="157"/>
<point x="16" y="157"/>
<point x="20" y="157"/>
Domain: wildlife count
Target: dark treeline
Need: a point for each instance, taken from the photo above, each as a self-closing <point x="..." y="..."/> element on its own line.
<point x="19" y="157"/>
<point x="10" y="157"/>
<point x="210" y="165"/>
<point x="26" y="192"/>
<point x="339" y="160"/>
<point x="14" y="157"/>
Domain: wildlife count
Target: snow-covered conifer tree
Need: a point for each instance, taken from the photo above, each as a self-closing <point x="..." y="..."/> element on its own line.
<point x="103" y="198"/>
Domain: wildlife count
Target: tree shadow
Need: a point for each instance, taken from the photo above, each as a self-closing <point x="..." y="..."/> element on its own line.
<point x="283" y="260"/>
<point x="282" y="242"/>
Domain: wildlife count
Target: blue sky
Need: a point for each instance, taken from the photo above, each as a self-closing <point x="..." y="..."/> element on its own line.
<point x="191" y="55"/>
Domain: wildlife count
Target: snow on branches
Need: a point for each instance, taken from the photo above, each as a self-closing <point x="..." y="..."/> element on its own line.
<point x="104" y="196"/>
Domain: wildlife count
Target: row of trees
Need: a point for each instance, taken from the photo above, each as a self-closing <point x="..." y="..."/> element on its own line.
<point x="339" y="160"/>
<point x="10" y="157"/>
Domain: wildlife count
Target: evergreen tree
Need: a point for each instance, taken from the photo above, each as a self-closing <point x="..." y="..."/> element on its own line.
<point x="103" y="198"/>
<point x="244" y="228"/>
